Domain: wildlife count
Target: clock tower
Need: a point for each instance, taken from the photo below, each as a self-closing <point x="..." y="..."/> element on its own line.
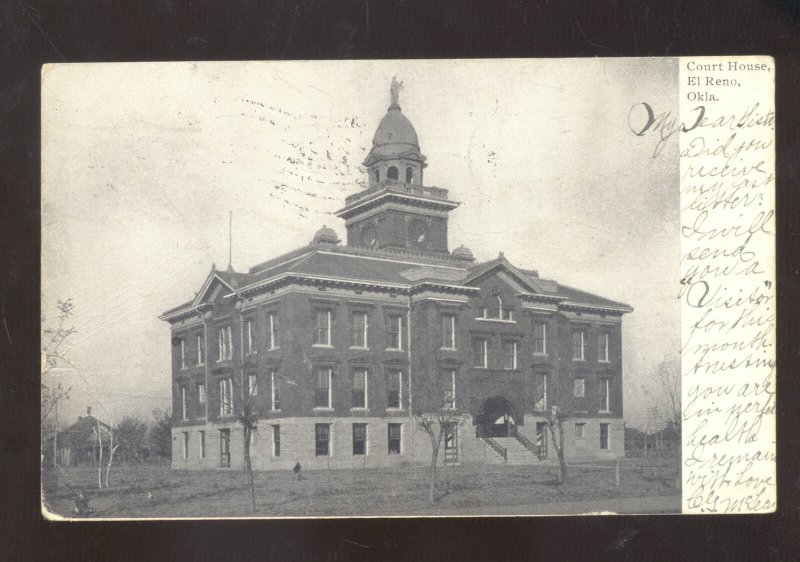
<point x="397" y="210"/>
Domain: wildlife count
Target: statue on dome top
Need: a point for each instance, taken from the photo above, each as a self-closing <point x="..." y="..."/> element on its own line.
<point x="394" y="90"/>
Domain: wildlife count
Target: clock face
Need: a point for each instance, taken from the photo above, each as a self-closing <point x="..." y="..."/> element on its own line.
<point x="417" y="233"/>
<point x="368" y="236"/>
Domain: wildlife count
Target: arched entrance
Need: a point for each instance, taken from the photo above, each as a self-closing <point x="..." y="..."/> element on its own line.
<point x="496" y="418"/>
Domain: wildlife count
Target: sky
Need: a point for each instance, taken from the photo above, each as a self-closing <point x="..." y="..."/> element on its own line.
<point x="143" y="162"/>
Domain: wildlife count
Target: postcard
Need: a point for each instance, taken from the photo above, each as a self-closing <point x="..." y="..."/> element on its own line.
<point x="408" y="288"/>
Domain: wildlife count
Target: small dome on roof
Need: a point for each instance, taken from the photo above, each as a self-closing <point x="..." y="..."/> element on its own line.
<point x="463" y="253"/>
<point x="326" y="235"/>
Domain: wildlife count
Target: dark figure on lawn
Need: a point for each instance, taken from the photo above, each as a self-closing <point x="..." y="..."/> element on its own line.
<point x="82" y="508"/>
<point x="296" y="471"/>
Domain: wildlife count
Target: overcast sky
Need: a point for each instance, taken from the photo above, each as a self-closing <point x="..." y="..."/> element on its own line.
<point x="143" y="162"/>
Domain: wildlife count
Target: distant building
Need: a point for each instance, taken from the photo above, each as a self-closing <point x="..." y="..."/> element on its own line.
<point x="78" y="444"/>
<point x="335" y="342"/>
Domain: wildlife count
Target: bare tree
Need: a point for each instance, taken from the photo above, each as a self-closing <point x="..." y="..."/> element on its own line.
<point x="436" y="412"/>
<point x="555" y="421"/>
<point x="54" y="393"/>
<point x="247" y="415"/>
<point x="668" y="379"/>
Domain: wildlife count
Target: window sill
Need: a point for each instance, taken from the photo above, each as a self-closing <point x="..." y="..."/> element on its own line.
<point x="359" y="409"/>
<point x="579" y="360"/>
<point x="323" y="345"/>
<point x="318" y="409"/>
<point x="604" y="411"/>
<point x="273" y="348"/>
<point x="394" y="349"/>
<point x="480" y="367"/>
<point x="540" y="354"/>
<point x="605" y="361"/>
<point x="400" y="409"/>
<point x="274" y="411"/>
<point x="448" y="349"/>
<point x="496" y="320"/>
<point x="359" y="348"/>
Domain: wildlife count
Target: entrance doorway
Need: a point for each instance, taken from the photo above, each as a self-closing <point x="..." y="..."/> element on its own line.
<point x="496" y="418"/>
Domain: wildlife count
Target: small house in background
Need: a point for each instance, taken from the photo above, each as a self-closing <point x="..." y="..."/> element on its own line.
<point x="78" y="444"/>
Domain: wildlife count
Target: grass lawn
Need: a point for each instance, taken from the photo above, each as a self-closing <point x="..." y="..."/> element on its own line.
<point x="158" y="491"/>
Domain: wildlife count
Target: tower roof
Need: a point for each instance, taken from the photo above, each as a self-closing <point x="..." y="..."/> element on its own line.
<point x="395" y="136"/>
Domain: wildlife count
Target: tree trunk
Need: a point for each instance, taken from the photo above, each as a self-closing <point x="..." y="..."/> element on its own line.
<point x="248" y="467"/>
<point x="100" y="457"/>
<point x="558" y="445"/>
<point x="434" y="457"/>
<point x="110" y="457"/>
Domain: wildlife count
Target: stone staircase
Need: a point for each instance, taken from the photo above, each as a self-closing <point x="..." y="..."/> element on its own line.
<point x="516" y="451"/>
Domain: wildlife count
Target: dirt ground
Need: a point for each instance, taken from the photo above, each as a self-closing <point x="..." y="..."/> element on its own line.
<point x="143" y="491"/>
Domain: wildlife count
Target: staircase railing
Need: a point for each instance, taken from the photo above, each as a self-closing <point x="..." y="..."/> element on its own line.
<point x="500" y="450"/>
<point x="537" y="450"/>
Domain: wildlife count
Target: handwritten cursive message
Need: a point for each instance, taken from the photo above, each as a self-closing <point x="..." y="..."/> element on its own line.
<point x="725" y="132"/>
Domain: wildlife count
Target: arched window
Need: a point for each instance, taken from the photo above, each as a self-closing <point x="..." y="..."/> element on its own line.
<point x="409" y="175"/>
<point x="392" y="173"/>
<point x="377" y="176"/>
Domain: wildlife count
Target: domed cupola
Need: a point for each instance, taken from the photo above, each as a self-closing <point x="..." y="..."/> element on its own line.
<point x="326" y="235"/>
<point x="395" y="154"/>
<point x="463" y="253"/>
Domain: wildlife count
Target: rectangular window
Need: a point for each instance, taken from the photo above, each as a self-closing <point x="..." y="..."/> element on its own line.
<point x="395" y="438"/>
<point x="578" y="345"/>
<point x="225" y="448"/>
<point x="509" y="355"/>
<point x="579" y="388"/>
<point x="359" y="439"/>
<point x="202" y="444"/>
<point x="539" y="337"/>
<point x="201" y="393"/>
<point x="394" y="333"/>
<point x="604" y="436"/>
<point x="252" y="385"/>
<point x="225" y="397"/>
<point x="602" y="347"/>
<point x="359" y="334"/>
<point x="322" y="392"/>
<point x="394" y="398"/>
<point x="449" y="389"/>
<point x="359" y="393"/>
<point x="276" y="440"/>
<point x="275" y="404"/>
<point x="480" y="348"/>
<point x="249" y="337"/>
<point x="449" y="331"/>
<point x="224" y="348"/>
<point x="183" y="354"/>
<point x="579" y="430"/>
<point x="605" y="391"/>
<point x="185" y="445"/>
<point x="322" y="438"/>
<point x="323" y="329"/>
<point x="183" y="404"/>
<point x="540" y="396"/>
<point x="272" y="323"/>
<point x="201" y="350"/>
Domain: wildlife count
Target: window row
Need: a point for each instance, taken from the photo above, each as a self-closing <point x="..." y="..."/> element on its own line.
<point x="579" y="342"/>
<point x="603" y="391"/>
<point x="323" y="439"/>
<point x="359" y="329"/>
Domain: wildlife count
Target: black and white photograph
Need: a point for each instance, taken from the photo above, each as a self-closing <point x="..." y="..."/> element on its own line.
<point x="393" y="288"/>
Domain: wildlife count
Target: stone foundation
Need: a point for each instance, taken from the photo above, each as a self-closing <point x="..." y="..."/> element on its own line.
<point x="297" y="444"/>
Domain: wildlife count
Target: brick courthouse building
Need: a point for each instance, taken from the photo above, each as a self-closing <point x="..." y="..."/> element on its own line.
<point x="332" y="340"/>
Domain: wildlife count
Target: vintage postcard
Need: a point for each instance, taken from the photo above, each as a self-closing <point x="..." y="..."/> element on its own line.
<point x="408" y="288"/>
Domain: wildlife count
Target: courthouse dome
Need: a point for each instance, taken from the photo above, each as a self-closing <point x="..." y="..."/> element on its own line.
<point x="395" y="129"/>
<point x="463" y="253"/>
